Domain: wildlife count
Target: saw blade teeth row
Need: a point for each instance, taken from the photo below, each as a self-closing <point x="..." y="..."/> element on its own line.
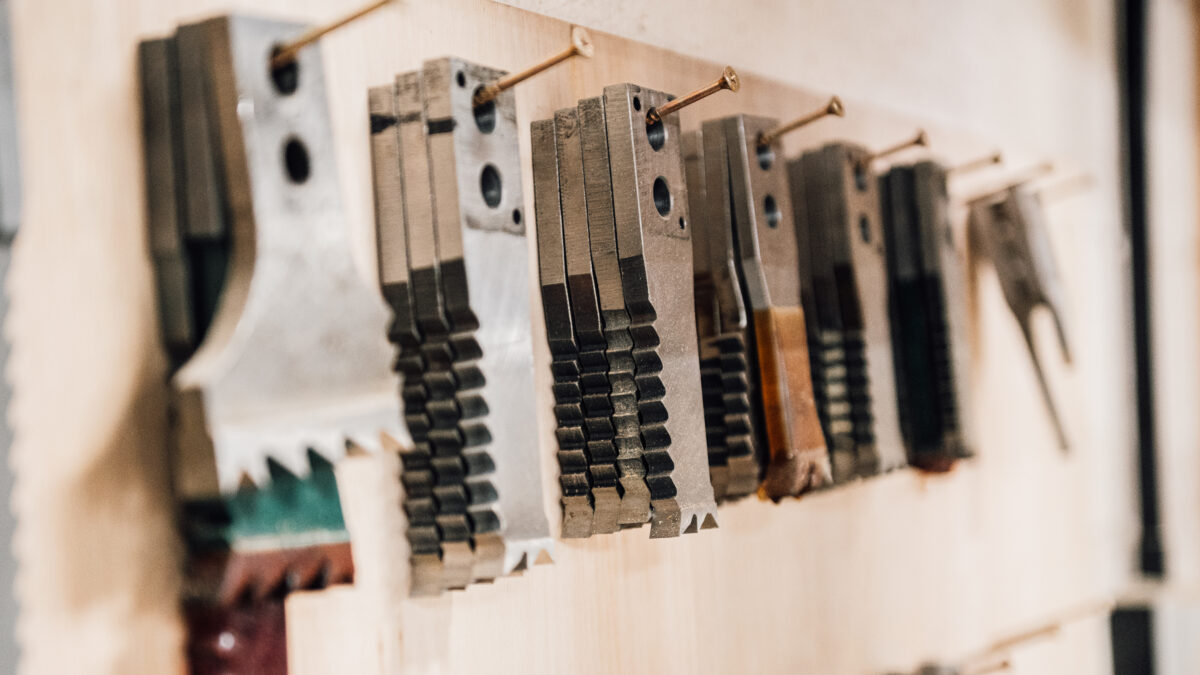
<point x="478" y="493"/>
<point x="623" y="387"/>
<point x="943" y="361"/>
<point x="237" y="578"/>
<point x="574" y="480"/>
<point x="740" y="426"/>
<point x="417" y="475"/>
<point x="601" y="451"/>
<point x="449" y="498"/>
<point x="831" y="383"/>
<point x="653" y="415"/>
<point x="711" y="395"/>
<point x="858" y="386"/>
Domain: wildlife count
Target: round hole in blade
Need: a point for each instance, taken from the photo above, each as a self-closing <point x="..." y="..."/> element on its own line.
<point x="485" y="115"/>
<point x="662" y="196"/>
<point x="295" y="160"/>
<point x="860" y="177"/>
<point x="491" y="186"/>
<point x="286" y="78"/>
<point x="766" y="157"/>
<point x="771" y="209"/>
<point x="864" y="228"/>
<point x="656" y="134"/>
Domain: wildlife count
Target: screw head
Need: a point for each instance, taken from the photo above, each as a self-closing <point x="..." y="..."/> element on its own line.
<point x="729" y="79"/>
<point x="582" y="42"/>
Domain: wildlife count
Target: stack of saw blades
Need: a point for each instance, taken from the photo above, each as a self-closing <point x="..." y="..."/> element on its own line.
<point x="728" y="370"/>
<point x="927" y="294"/>
<point x="755" y="340"/>
<point x="255" y="275"/>
<point x="615" y="263"/>
<point x="847" y="283"/>
<point x="453" y="268"/>
<point x="190" y="232"/>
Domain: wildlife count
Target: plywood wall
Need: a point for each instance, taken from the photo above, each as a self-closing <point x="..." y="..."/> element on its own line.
<point x="872" y="576"/>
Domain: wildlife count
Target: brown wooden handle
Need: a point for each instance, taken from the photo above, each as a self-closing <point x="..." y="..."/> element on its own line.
<point x="799" y="460"/>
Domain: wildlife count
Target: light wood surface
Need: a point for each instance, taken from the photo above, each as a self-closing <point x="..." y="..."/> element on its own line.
<point x="872" y="576"/>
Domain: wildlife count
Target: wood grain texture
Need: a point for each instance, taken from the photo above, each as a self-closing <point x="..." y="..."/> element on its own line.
<point x="878" y="574"/>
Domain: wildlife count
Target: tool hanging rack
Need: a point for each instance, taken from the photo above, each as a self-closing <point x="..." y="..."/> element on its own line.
<point x="617" y="109"/>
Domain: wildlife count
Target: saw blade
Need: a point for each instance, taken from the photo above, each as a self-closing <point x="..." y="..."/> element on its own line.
<point x="707" y="315"/>
<point x="746" y="444"/>
<point x="654" y="248"/>
<point x="626" y="395"/>
<point x="1011" y="229"/>
<point x="433" y="567"/>
<point x="924" y="344"/>
<point x="476" y="166"/>
<point x="596" y="388"/>
<point x="574" y="481"/>
<point x="765" y="237"/>
<point x="826" y="346"/>
<point x="863" y="229"/>
<point x="292" y="293"/>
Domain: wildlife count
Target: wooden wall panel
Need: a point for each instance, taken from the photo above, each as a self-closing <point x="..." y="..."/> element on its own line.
<point x="874" y="575"/>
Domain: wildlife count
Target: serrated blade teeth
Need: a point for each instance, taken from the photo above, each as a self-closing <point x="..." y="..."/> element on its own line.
<point x="449" y="264"/>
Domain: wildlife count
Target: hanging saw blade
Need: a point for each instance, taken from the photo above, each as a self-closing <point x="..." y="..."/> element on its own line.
<point x="847" y="209"/>
<point x="707" y="316"/>
<point x="448" y="353"/>
<point x="1009" y="225"/>
<point x="765" y="236"/>
<point x="728" y="366"/>
<point x="389" y="166"/>
<point x="595" y="385"/>
<point x="928" y="306"/>
<point x="574" y="481"/>
<point x="476" y="171"/>
<point x="654" y="249"/>
<point x="292" y="294"/>
<point x="818" y="294"/>
<point x="628" y="392"/>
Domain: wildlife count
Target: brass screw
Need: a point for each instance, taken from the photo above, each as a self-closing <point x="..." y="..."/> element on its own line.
<point x="287" y="53"/>
<point x="920" y="140"/>
<point x="834" y="107"/>
<point x="976" y="164"/>
<point x="581" y="45"/>
<point x="727" y="80"/>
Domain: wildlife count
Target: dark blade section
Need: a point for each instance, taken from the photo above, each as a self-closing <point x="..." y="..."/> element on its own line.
<point x="849" y="284"/>
<point x="649" y="197"/>
<point x="827" y="351"/>
<point x="833" y="161"/>
<point x="429" y="519"/>
<point x="746" y="447"/>
<point x="574" y="479"/>
<point x="627" y="393"/>
<point x="925" y="291"/>
<point x="707" y="315"/>
<point x="596" y="388"/>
